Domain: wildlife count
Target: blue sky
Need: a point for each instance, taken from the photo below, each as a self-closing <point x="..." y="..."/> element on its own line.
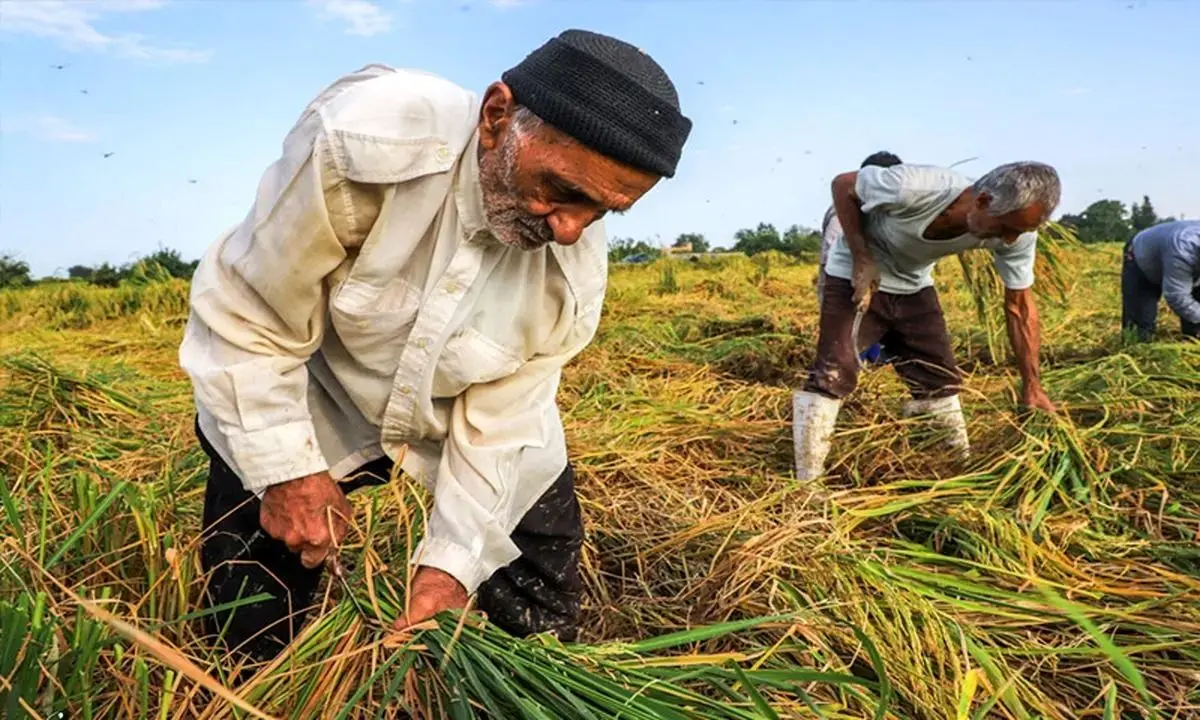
<point x="205" y="91"/>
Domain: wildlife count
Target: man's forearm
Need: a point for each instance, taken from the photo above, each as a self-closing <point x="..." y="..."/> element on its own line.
<point x="1179" y="292"/>
<point x="849" y="213"/>
<point x="1185" y="305"/>
<point x="1024" y="334"/>
<point x="1179" y="281"/>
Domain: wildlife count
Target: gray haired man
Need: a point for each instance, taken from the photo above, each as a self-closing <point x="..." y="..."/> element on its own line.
<point x="897" y="222"/>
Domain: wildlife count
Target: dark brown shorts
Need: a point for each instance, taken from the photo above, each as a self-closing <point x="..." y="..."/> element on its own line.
<point x="916" y="337"/>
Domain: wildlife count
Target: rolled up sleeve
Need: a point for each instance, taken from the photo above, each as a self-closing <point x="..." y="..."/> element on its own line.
<point x="486" y="480"/>
<point x="258" y="312"/>
<point x="880" y="188"/>
<point x="1181" y="260"/>
<point x="1015" y="263"/>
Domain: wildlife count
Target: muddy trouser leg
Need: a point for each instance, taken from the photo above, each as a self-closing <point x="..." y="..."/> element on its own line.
<point x="1139" y="299"/>
<point x="834" y="372"/>
<point x="540" y="591"/>
<point x="240" y="561"/>
<point x="833" y="376"/>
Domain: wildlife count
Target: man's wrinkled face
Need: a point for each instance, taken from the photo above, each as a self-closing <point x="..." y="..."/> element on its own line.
<point x="540" y="185"/>
<point x="507" y="218"/>
<point x="1008" y="226"/>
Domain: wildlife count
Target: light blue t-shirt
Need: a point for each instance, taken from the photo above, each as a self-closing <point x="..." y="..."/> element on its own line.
<point x="1169" y="255"/>
<point x="899" y="202"/>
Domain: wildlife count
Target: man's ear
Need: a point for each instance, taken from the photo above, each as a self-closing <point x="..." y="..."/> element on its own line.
<point x="495" y="114"/>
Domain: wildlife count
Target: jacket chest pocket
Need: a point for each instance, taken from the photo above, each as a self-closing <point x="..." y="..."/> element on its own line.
<point x="472" y="358"/>
<point x="373" y="323"/>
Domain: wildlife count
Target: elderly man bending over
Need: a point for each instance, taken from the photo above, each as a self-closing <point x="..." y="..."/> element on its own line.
<point x="897" y="222"/>
<point x="1162" y="262"/>
<point x="415" y="271"/>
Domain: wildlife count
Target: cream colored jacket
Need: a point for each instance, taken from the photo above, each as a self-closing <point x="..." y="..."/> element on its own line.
<point x="363" y="308"/>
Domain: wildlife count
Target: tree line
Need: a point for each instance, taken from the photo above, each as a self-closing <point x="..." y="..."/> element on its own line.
<point x="1111" y="221"/>
<point x="796" y="240"/>
<point x="163" y="264"/>
<point x="1102" y="221"/>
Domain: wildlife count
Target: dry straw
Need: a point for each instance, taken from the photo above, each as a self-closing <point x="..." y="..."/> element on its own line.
<point x="1054" y="576"/>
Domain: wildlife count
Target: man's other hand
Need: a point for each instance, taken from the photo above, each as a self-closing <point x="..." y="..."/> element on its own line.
<point x="309" y="515"/>
<point x="865" y="279"/>
<point x="432" y="591"/>
<point x="1035" y="398"/>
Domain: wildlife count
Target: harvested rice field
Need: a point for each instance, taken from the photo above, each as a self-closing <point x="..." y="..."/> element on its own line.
<point x="1055" y="575"/>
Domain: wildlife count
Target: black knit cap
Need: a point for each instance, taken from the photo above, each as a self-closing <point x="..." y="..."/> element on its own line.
<point x="606" y="94"/>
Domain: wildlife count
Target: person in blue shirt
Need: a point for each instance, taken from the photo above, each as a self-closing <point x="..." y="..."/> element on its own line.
<point x="1162" y="261"/>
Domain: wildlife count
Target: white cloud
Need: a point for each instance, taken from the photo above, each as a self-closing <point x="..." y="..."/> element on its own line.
<point x="498" y="4"/>
<point x="52" y="128"/>
<point x="74" y="26"/>
<point x="361" y="17"/>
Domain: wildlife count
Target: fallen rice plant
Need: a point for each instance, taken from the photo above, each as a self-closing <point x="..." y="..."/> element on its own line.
<point x="1056" y="575"/>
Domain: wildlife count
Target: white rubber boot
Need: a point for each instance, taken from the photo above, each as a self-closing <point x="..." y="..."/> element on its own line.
<point x="813" y="419"/>
<point x="947" y="414"/>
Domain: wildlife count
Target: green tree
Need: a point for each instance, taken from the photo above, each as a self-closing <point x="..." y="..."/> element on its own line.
<point x="1102" y="221"/>
<point x="760" y="239"/>
<point x="80" y="272"/>
<point x="621" y="248"/>
<point x="1143" y="216"/>
<point x="801" y="240"/>
<point x="163" y="262"/>
<point x="14" y="272"/>
<point x="170" y="261"/>
<point x="145" y="272"/>
<point x="108" y="276"/>
<point x="699" y="244"/>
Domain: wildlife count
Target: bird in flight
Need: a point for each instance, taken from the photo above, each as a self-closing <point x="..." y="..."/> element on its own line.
<point x="109" y="154"/>
<point x="59" y="67"/>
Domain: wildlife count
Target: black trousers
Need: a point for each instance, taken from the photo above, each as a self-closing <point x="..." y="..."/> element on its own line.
<point x="1139" y="301"/>
<point x="538" y="592"/>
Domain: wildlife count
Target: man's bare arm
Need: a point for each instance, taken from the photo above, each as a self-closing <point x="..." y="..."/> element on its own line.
<point x="1024" y="334"/>
<point x="848" y="207"/>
